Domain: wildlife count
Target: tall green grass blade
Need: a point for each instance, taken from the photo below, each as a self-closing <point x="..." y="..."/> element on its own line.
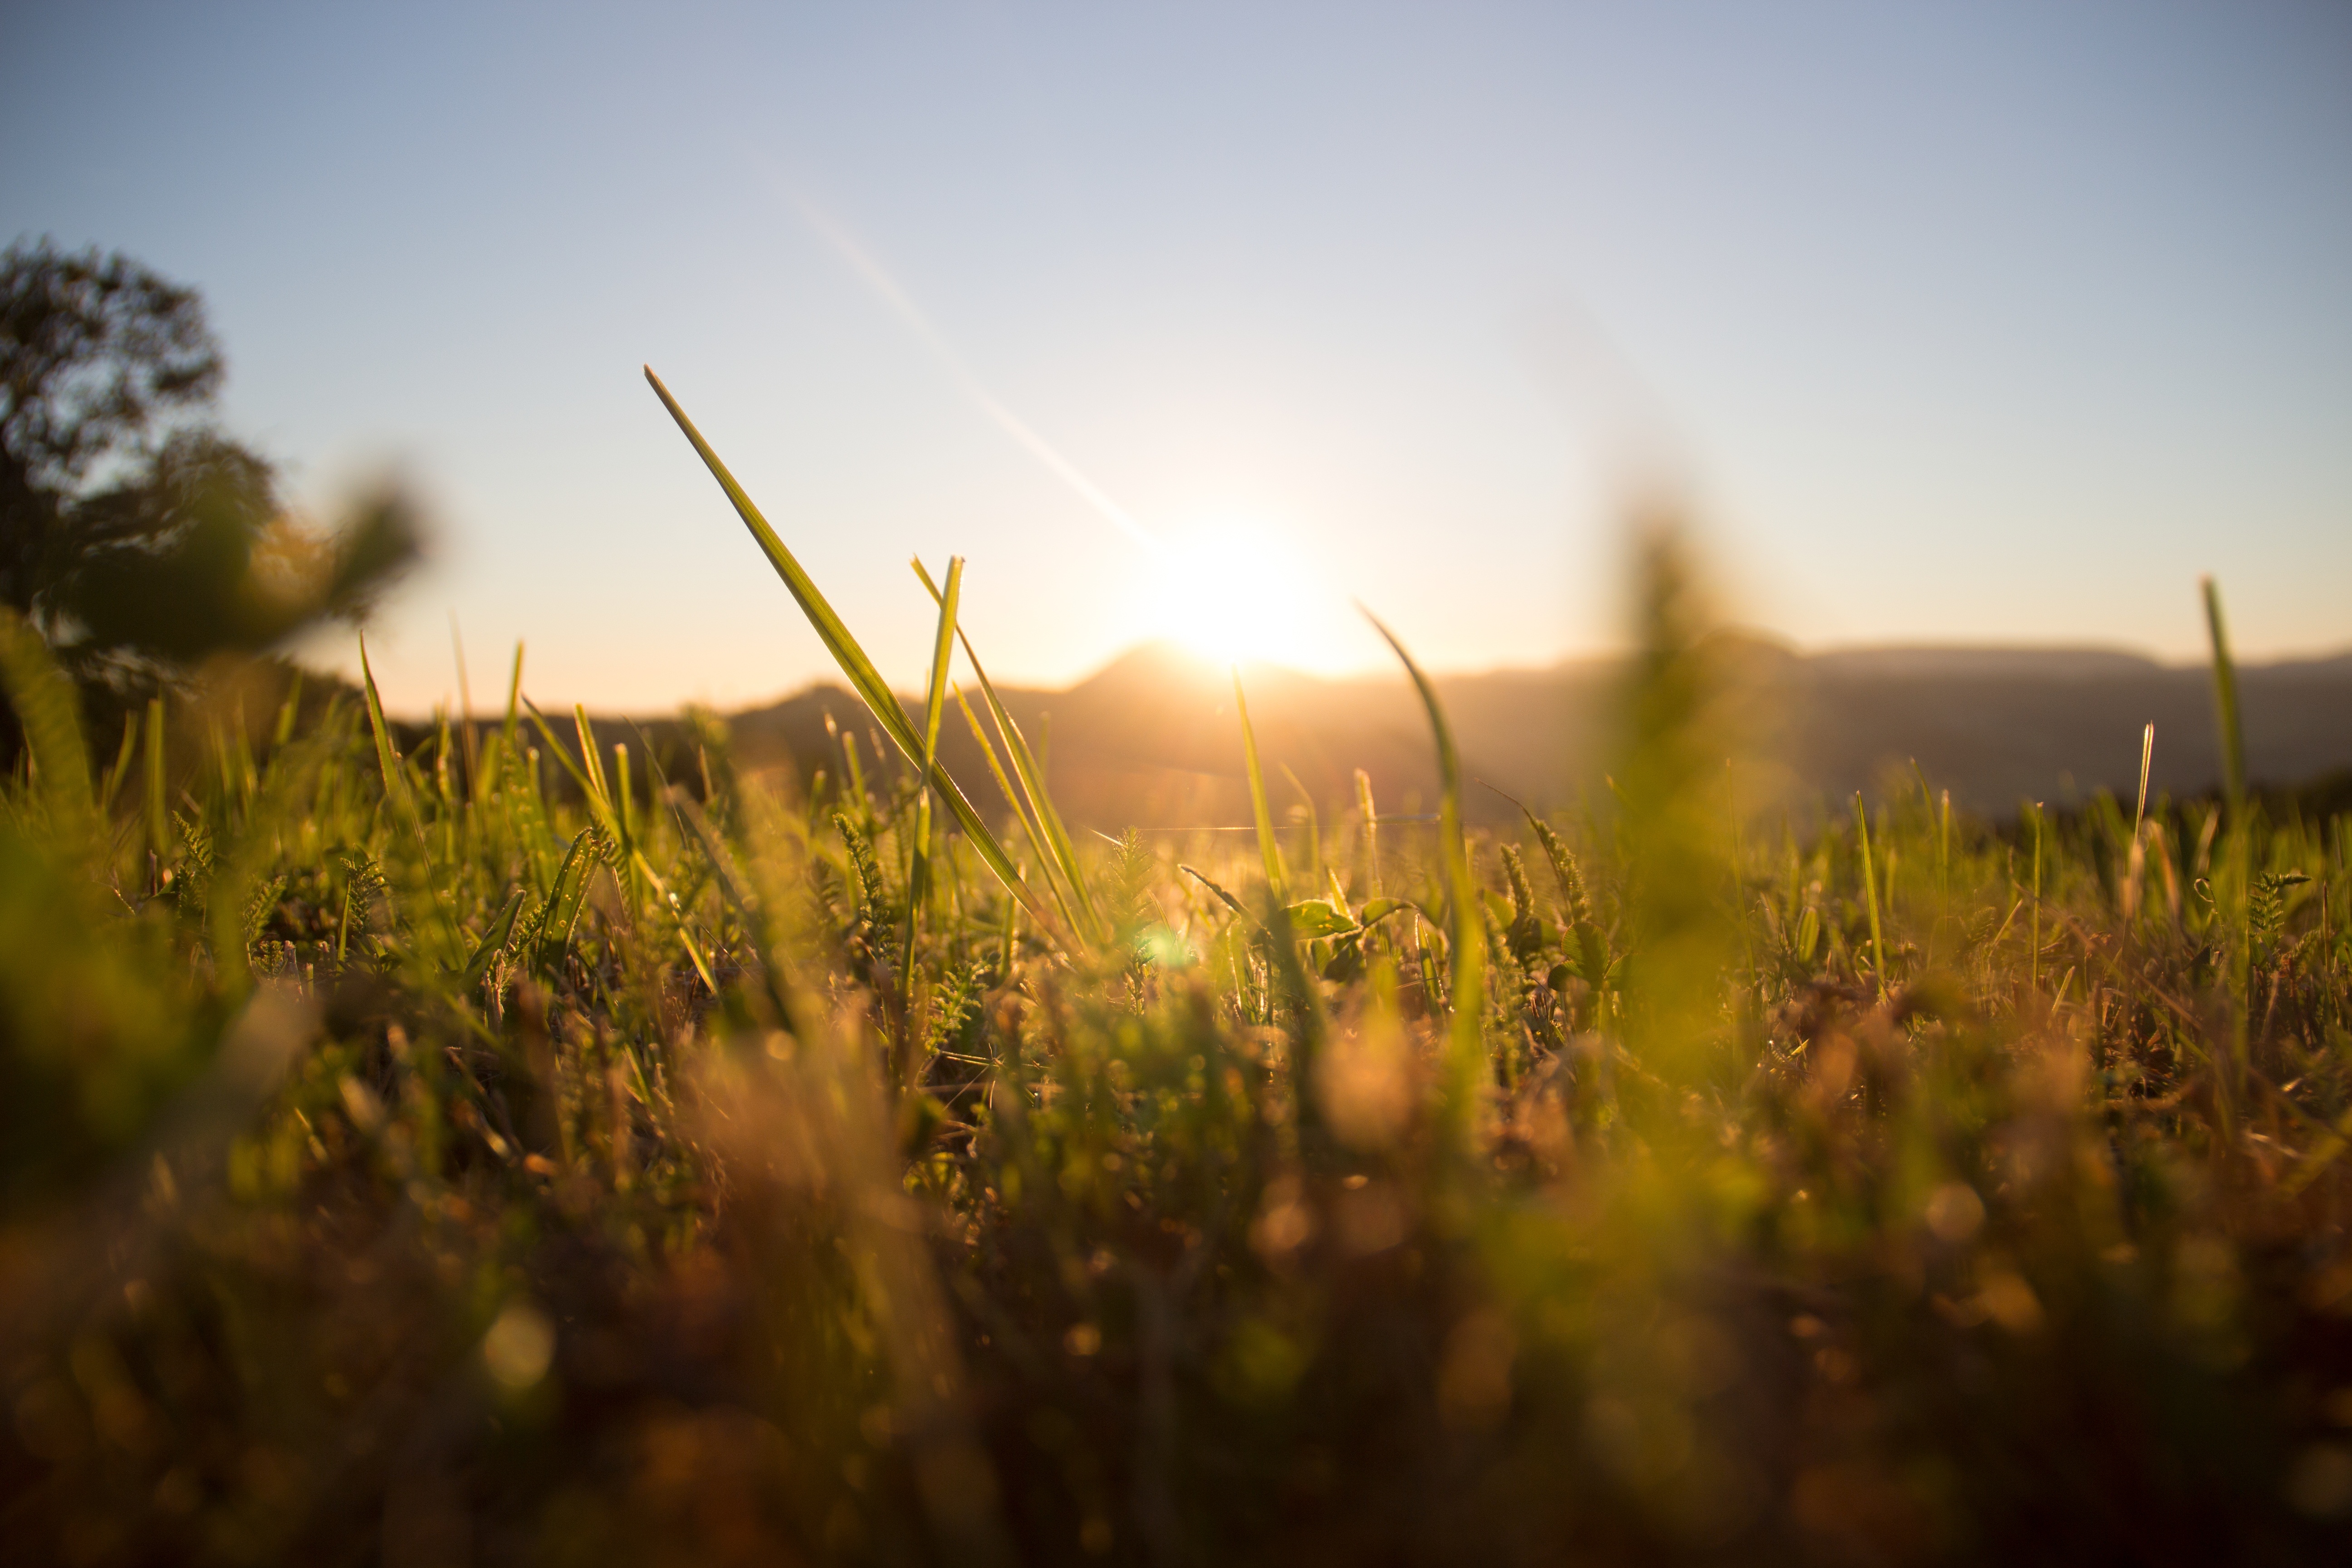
<point x="678" y="919"/>
<point x="625" y="809"/>
<point x="1314" y="872"/>
<point x="592" y="763"/>
<point x="1269" y="847"/>
<point x="401" y="797"/>
<point x="2147" y="756"/>
<point x="1944" y="848"/>
<point x="724" y="870"/>
<point x="2033" y="934"/>
<point x="2135" y="853"/>
<point x="589" y="787"/>
<point x="387" y="758"/>
<point x="2225" y="701"/>
<point x="997" y="769"/>
<point x="625" y="788"/>
<point x="1060" y="854"/>
<point x="658" y="784"/>
<point x="159" y="816"/>
<point x="631" y="868"/>
<point x="1055" y="883"/>
<point x="934" y="706"/>
<point x="1465" y="1053"/>
<point x="2235" y="871"/>
<point x="1282" y="943"/>
<point x="120" y="769"/>
<point x="1870" y="885"/>
<point x="852" y="773"/>
<point x="1739" y="902"/>
<point x="466" y="713"/>
<point x="862" y="676"/>
<point x="514" y="698"/>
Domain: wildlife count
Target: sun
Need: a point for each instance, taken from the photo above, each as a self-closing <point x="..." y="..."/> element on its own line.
<point x="1231" y="588"/>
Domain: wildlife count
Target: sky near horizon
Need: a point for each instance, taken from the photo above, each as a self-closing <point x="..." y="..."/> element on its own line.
<point x="1983" y="323"/>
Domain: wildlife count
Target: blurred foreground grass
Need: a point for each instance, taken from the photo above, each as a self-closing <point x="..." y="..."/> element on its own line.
<point x="501" y="1153"/>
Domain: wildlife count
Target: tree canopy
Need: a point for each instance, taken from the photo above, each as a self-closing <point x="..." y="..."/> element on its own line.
<point x="135" y="537"/>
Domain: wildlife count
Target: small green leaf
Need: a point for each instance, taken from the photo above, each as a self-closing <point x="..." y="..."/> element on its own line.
<point x="494" y="939"/>
<point x="1316" y="916"/>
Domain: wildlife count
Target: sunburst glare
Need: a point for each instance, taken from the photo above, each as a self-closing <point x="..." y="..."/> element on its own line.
<point x="1236" y="586"/>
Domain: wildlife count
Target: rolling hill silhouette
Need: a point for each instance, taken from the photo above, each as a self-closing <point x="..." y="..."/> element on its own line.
<point x="1151" y="740"/>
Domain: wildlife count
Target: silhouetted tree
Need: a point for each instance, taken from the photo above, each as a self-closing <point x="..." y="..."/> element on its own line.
<point x="135" y="537"/>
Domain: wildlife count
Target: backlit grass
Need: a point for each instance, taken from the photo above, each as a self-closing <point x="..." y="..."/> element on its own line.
<point x="490" y="1149"/>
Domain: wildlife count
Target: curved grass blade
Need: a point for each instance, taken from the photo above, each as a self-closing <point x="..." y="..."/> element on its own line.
<point x="1045" y="822"/>
<point x="1029" y="826"/>
<point x="2225" y="700"/>
<point x="552" y="935"/>
<point x="493" y="938"/>
<point x="934" y="701"/>
<point x="1465" y="1050"/>
<point x="1020" y="812"/>
<point x="864" y="678"/>
<point x="1231" y="902"/>
<point x="1282" y="936"/>
<point x="595" y="766"/>
<point x="598" y="807"/>
<point x="2136" y="858"/>
<point x="514" y="695"/>
<point x="395" y="777"/>
<point x="1314" y="822"/>
<point x="2232" y="885"/>
<point x="1269" y="848"/>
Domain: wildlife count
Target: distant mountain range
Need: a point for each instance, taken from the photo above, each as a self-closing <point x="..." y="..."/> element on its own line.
<point x="1151" y="739"/>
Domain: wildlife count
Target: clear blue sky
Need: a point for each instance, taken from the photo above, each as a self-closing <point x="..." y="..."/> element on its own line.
<point x="1978" y="322"/>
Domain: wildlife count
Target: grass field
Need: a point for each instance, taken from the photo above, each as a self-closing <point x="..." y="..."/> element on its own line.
<point x="502" y="1154"/>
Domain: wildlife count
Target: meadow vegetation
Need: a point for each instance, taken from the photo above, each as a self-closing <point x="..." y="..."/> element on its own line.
<point x="488" y="1148"/>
